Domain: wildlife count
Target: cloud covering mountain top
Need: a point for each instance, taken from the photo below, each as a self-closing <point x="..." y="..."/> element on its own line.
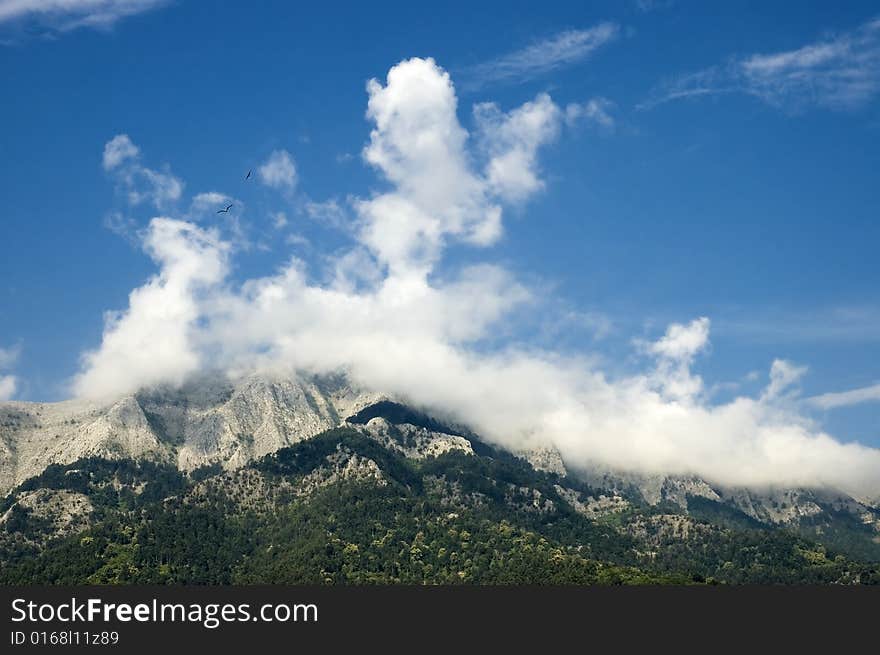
<point x="394" y="325"/>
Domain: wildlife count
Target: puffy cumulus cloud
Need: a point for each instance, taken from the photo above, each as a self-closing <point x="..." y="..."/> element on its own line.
<point x="136" y="182"/>
<point x="512" y="141"/>
<point x="161" y="189"/>
<point x="675" y="352"/>
<point x="278" y="171"/>
<point x="392" y="322"/>
<point x="682" y="342"/>
<point x="152" y="341"/>
<point x="420" y="146"/>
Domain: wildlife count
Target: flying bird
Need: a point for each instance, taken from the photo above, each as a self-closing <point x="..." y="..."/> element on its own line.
<point x="223" y="211"/>
<point x="248" y="176"/>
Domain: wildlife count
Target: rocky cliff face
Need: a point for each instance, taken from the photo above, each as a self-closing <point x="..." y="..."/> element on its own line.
<point x="234" y="424"/>
<point x="35" y="435"/>
<point x="414" y="441"/>
<point x="205" y="422"/>
<point x="816" y="509"/>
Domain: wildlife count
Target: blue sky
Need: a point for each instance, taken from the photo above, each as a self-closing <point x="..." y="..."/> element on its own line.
<point x="718" y="161"/>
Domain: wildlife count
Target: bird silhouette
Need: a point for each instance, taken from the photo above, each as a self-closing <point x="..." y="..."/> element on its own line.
<point x="223" y="211"/>
<point x="248" y="176"/>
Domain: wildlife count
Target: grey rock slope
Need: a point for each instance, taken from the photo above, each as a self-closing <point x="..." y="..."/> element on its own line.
<point x="34" y="435"/>
<point x="826" y="514"/>
<point x="208" y="421"/>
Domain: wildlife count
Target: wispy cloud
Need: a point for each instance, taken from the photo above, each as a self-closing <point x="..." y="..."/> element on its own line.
<point x="121" y="160"/>
<point x="826" y="324"/>
<point x="839" y="72"/>
<point x="562" y="49"/>
<point x="846" y="398"/>
<point x="66" y="15"/>
<point x="209" y="202"/>
<point x="784" y="375"/>
<point x="653" y="5"/>
<point x="596" y="111"/>
<point x="123" y="225"/>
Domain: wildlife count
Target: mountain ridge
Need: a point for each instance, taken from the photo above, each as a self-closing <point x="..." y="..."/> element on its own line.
<point x="217" y="424"/>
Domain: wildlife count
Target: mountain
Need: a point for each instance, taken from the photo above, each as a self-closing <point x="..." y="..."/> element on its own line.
<point x="313" y="480"/>
<point x="207" y="421"/>
<point x="830" y="517"/>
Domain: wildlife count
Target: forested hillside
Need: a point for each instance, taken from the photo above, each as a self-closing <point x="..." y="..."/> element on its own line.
<point x="342" y="508"/>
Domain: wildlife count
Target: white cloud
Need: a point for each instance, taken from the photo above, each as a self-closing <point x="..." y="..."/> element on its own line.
<point x="117" y="150"/>
<point x="8" y="386"/>
<point x="395" y="322"/>
<point x="279" y="171"/>
<point x="161" y="189"/>
<point x="419" y="146"/>
<point x="135" y="181"/>
<point x="562" y="49"/>
<point x="675" y="352"/>
<point x="66" y="15"/>
<point x="152" y="340"/>
<point x="297" y="240"/>
<point x="856" y="324"/>
<point x="682" y="342"/>
<point x="846" y="398"/>
<point x="123" y="226"/>
<point x="209" y="202"/>
<point x="279" y="220"/>
<point x="840" y="72"/>
<point x="596" y="110"/>
<point x="783" y="374"/>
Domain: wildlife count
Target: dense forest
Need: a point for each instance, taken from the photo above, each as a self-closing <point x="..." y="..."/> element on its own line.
<point x="343" y="509"/>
